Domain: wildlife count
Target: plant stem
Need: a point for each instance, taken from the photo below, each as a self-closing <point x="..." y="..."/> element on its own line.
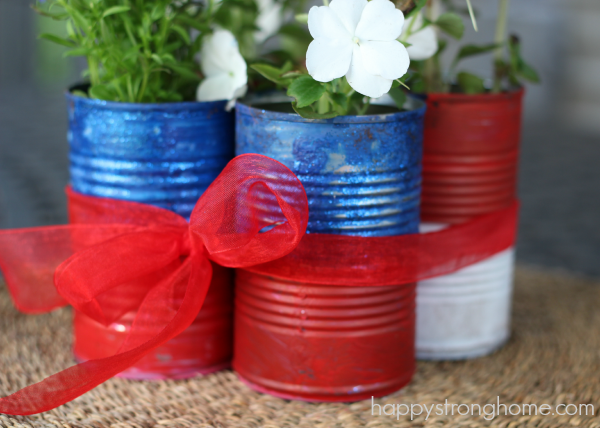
<point x="472" y="14"/>
<point x="94" y="72"/>
<point x="432" y="74"/>
<point x="365" y="107"/>
<point x="500" y="40"/>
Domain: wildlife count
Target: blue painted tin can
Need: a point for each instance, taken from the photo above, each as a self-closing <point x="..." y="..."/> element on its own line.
<point x="160" y="154"/>
<point x="164" y="155"/>
<point x="362" y="175"/>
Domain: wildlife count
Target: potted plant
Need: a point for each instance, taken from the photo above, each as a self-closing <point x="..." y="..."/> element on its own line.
<point x="470" y="160"/>
<point x="153" y="125"/>
<point x="360" y="164"/>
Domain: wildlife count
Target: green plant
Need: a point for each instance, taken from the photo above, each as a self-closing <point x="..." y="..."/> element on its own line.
<point x="137" y="51"/>
<point x="346" y="65"/>
<point x="319" y="100"/>
<point x="510" y="69"/>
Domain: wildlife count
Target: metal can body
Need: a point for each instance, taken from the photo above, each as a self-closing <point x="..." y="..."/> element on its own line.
<point x="164" y="155"/>
<point x="318" y="342"/>
<point x="470" y="164"/>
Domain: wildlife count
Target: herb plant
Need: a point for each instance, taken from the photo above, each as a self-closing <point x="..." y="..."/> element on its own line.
<point x="137" y="51"/>
<point x="510" y="69"/>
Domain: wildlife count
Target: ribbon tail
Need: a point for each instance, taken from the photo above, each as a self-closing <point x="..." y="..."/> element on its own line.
<point x="193" y="276"/>
<point x="394" y="260"/>
<point x="29" y="258"/>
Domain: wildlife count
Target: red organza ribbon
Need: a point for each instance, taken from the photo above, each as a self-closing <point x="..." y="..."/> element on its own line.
<point x="159" y="256"/>
<point x="165" y="261"/>
<point x="392" y="260"/>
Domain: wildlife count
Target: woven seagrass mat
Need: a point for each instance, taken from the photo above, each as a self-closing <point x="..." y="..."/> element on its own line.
<point x="553" y="358"/>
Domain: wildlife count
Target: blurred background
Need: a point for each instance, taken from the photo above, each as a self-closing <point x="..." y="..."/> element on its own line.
<point x="560" y="172"/>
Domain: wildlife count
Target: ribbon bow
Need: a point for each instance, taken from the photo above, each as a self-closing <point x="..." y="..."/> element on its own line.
<point x="256" y="211"/>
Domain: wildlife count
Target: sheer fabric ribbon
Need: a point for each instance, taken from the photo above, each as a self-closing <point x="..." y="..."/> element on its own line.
<point x="165" y="261"/>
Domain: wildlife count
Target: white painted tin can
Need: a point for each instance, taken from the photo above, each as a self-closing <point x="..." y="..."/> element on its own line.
<point x="465" y="314"/>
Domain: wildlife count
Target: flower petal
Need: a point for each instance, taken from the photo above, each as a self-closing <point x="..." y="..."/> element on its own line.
<point x="349" y="12"/>
<point x="386" y="59"/>
<point x="269" y="19"/>
<point x="217" y="88"/>
<point x="424" y="44"/>
<point x="364" y="82"/>
<point x="221" y="54"/>
<point x="324" y="23"/>
<point x="380" y="20"/>
<point x="328" y="59"/>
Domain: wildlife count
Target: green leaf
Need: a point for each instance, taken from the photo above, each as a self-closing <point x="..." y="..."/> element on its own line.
<point x="470" y="84"/>
<point x="55" y="16"/>
<point x="58" y="40"/>
<point x="101" y="92"/>
<point x="295" y="31"/>
<point x="527" y="72"/>
<point x="340" y="99"/>
<point x="292" y="74"/>
<point x="472" y="50"/>
<point x="114" y="10"/>
<point x="77" y="52"/>
<point x="419" y="4"/>
<point x="184" y="34"/>
<point x="272" y="73"/>
<point x="184" y="72"/>
<point x="518" y="65"/>
<point x="157" y="12"/>
<point x="451" y="24"/>
<point x="308" y="113"/>
<point x="305" y="90"/>
<point x="399" y="97"/>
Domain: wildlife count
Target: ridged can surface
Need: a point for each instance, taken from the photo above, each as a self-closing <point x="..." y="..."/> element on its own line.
<point x="362" y="175"/>
<point x="465" y="314"/>
<point x="470" y="165"/>
<point x="470" y="155"/>
<point x="164" y="155"/>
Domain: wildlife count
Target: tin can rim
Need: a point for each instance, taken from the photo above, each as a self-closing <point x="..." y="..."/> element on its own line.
<point x="415" y="110"/>
<point x="118" y="105"/>
<point x="510" y="94"/>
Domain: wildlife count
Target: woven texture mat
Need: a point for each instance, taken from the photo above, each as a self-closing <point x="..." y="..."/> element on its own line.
<point x="553" y="358"/>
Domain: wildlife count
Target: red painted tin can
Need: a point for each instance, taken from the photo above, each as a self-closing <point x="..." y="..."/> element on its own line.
<point x="470" y="164"/>
<point x="205" y="347"/>
<point x="470" y="156"/>
<point x="316" y="342"/>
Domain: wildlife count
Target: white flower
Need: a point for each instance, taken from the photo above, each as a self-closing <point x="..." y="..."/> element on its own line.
<point x="224" y="68"/>
<point x="423" y="41"/>
<point x="357" y="39"/>
<point x="269" y="19"/>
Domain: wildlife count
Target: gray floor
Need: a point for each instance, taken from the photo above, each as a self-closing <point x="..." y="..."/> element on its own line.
<point x="560" y="182"/>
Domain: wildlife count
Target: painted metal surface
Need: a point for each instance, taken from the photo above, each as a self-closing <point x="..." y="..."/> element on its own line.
<point x="470" y="167"/>
<point x="159" y="154"/>
<point x="164" y="155"/>
<point x="470" y="155"/>
<point x="465" y="314"/>
<point x="318" y="342"/>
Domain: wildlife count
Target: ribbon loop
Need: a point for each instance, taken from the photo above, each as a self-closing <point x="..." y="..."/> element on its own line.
<point x="269" y="203"/>
<point x="152" y="257"/>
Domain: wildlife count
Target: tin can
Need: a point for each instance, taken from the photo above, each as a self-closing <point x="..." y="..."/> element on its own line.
<point x="362" y="176"/>
<point x="164" y="155"/>
<point x="470" y="164"/>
